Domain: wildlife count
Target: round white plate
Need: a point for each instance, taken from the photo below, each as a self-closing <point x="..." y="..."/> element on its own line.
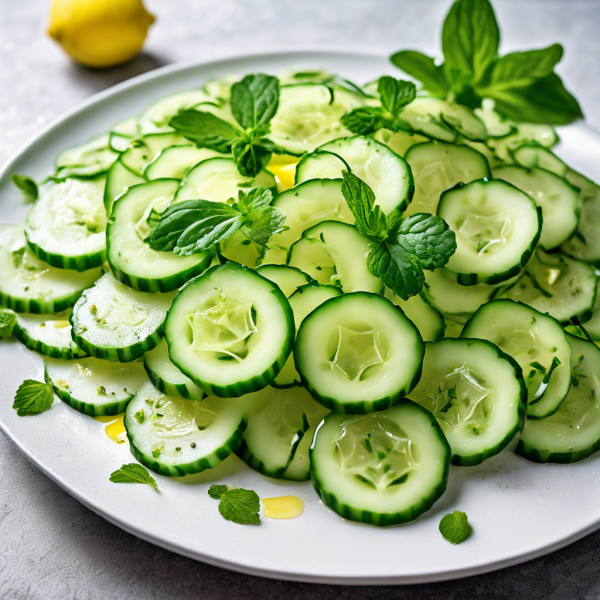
<point x="518" y="510"/>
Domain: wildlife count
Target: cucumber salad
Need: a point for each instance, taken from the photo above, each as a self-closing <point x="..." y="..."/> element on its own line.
<point x="361" y="286"/>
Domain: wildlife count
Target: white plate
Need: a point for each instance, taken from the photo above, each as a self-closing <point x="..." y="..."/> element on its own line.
<point x="519" y="510"/>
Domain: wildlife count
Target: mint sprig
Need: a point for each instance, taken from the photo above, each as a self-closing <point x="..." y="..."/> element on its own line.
<point x="32" y="398"/>
<point x="522" y="84"/>
<point x="237" y="504"/>
<point x="133" y="473"/>
<point x="27" y="186"/>
<point x="455" y="527"/>
<point x="254" y="102"/>
<point x="401" y="249"/>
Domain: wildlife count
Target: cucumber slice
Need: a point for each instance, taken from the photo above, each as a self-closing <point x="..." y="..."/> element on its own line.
<point x="131" y="259"/>
<point x="557" y="285"/>
<point x="335" y="253"/>
<point x="287" y="279"/>
<point x="305" y="205"/>
<point x="278" y="422"/>
<point x="113" y="322"/>
<point x="29" y="285"/>
<point x="90" y="159"/>
<point x="167" y="378"/>
<point x="572" y="433"/>
<point x="218" y="179"/>
<point x="358" y="353"/>
<point x="531" y="155"/>
<point x="230" y="331"/>
<point x="592" y="325"/>
<point x="497" y="228"/>
<point x="118" y="180"/>
<point x="442" y="120"/>
<point x="119" y="142"/>
<point x="386" y="173"/>
<point x="303" y="301"/>
<point x="437" y="167"/>
<point x="126" y="127"/>
<point x="384" y="468"/>
<point x="399" y="142"/>
<point x="558" y="199"/>
<point x="175" y="161"/>
<point x="92" y="386"/>
<point x="66" y="226"/>
<point x="309" y="115"/>
<point x="48" y="334"/>
<point x="536" y="341"/>
<point x="418" y="309"/>
<point x="176" y="437"/>
<point x="496" y="125"/>
<point x="476" y="393"/>
<point x="143" y="151"/>
<point x="544" y="135"/>
<point x="159" y="113"/>
<point x="239" y="249"/>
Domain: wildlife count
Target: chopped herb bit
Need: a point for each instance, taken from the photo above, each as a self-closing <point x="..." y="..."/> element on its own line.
<point x="139" y="416"/>
<point x="455" y="527"/>
<point x="133" y="473"/>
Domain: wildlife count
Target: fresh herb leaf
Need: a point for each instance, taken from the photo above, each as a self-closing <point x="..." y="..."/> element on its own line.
<point x="8" y="319"/>
<point x="32" y="398"/>
<point x="250" y="156"/>
<point x="27" y="185"/>
<point x="395" y="94"/>
<point x="216" y="491"/>
<point x="423" y="69"/>
<point x="261" y="225"/>
<point x="133" y="473"/>
<point x="254" y="100"/>
<point x="365" y="120"/>
<point x="240" y="506"/>
<point x="455" y="527"/>
<point x="205" y="130"/>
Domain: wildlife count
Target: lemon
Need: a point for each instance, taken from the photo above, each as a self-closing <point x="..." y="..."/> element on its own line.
<point x="99" y="33"/>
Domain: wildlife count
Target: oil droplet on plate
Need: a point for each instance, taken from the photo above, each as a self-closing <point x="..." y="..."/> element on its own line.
<point x="106" y="418"/>
<point x="116" y="430"/>
<point x="283" y="507"/>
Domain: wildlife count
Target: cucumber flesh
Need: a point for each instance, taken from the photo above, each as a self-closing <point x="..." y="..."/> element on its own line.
<point x="143" y="151"/>
<point x="533" y="155"/>
<point x="157" y="116"/>
<point x="175" y="161"/>
<point x="399" y="142"/>
<point x="418" y="309"/>
<point x="288" y="279"/>
<point x="118" y="180"/>
<point x="592" y="325"/>
<point x="90" y="159"/>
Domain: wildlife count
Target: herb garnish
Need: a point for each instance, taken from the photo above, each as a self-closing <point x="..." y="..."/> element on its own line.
<point x="133" y="473"/>
<point x="455" y="527"/>
<point x="27" y="185"/>
<point x="8" y="319"/>
<point x="32" y="398"/>
<point x="237" y="504"/>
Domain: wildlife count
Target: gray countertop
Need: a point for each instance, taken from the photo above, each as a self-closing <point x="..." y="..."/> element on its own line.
<point x="51" y="547"/>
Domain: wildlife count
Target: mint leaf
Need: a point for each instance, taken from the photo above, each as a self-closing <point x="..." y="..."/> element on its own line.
<point x="133" y="473"/>
<point x="216" y="491"/>
<point x="205" y="130"/>
<point x="395" y="93"/>
<point x="32" y="398"/>
<point x="368" y="217"/>
<point x="254" y="100"/>
<point x="261" y="225"/>
<point x="399" y="270"/>
<point x="240" y="506"/>
<point x="27" y="185"/>
<point x="250" y="156"/>
<point x="365" y="120"/>
<point x="254" y="200"/>
<point x="8" y="319"/>
<point x="455" y="527"/>
<point x="423" y="69"/>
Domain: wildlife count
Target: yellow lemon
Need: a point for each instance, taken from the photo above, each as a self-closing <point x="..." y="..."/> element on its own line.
<point x="99" y="33"/>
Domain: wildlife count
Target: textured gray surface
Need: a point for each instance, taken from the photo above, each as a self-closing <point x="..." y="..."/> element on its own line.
<point x="51" y="547"/>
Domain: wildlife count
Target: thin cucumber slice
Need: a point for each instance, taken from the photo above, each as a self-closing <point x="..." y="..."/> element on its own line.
<point x="175" y="161"/>
<point x="131" y="259"/>
<point x="536" y="341"/>
<point x="288" y="279"/>
<point x="497" y="229"/>
<point x="119" y="142"/>
<point x="476" y="393"/>
<point x="358" y="353"/>
<point x="230" y="331"/>
<point x="303" y="301"/>
<point x="437" y="167"/>
<point x="218" y="180"/>
<point x="90" y="159"/>
<point x="418" y="309"/>
<point x="113" y="322"/>
<point x="176" y="437"/>
<point x="309" y="115"/>
<point x="453" y="328"/>
<point x="557" y="285"/>
<point x="239" y="249"/>
<point x="66" y="226"/>
<point x="48" y="334"/>
<point x="544" y="135"/>
<point x="92" y="386"/>
<point x="278" y="422"/>
<point x="126" y="127"/>
<point x="384" y="468"/>
<point x="531" y="155"/>
<point x="320" y="164"/>
<point x="386" y="173"/>
<point x="442" y="120"/>
<point x="572" y="433"/>
<point x="143" y="151"/>
<point x="305" y="205"/>
<point x="400" y="141"/>
<point x="29" y="285"/>
<point x="167" y="378"/>
<point x="592" y="325"/>
<point x="496" y="125"/>
<point x="335" y="253"/>
<point x="559" y="200"/>
<point x="118" y="180"/>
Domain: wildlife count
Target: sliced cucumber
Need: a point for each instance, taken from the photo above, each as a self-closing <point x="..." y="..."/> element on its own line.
<point x="536" y="341"/>
<point x="335" y="253"/>
<point x="558" y="199"/>
<point x="176" y="437"/>
<point x="113" y="322"/>
<point x="131" y="259"/>
<point x="288" y="279"/>
<point x="384" y="468"/>
<point x="92" y="386"/>
<point x="157" y="116"/>
<point x="175" y="161"/>
<point x="572" y="433"/>
<point x="418" y="309"/>
<point x="358" y="353"/>
<point x="497" y="229"/>
<point x="544" y="135"/>
<point x="66" y="226"/>
<point x="532" y="155"/>
<point x="476" y="393"/>
<point x="230" y="331"/>
<point x="437" y="167"/>
<point x="239" y="249"/>
<point x="90" y="159"/>
<point x="29" y="285"/>
<point x="309" y="115"/>
<point x="167" y="378"/>
<point x="592" y="325"/>
<point x="557" y="285"/>
<point x="399" y="141"/>
<point x="143" y="151"/>
<point x="118" y="180"/>
<point x="496" y="125"/>
<point x="47" y="334"/>
<point x="386" y="173"/>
